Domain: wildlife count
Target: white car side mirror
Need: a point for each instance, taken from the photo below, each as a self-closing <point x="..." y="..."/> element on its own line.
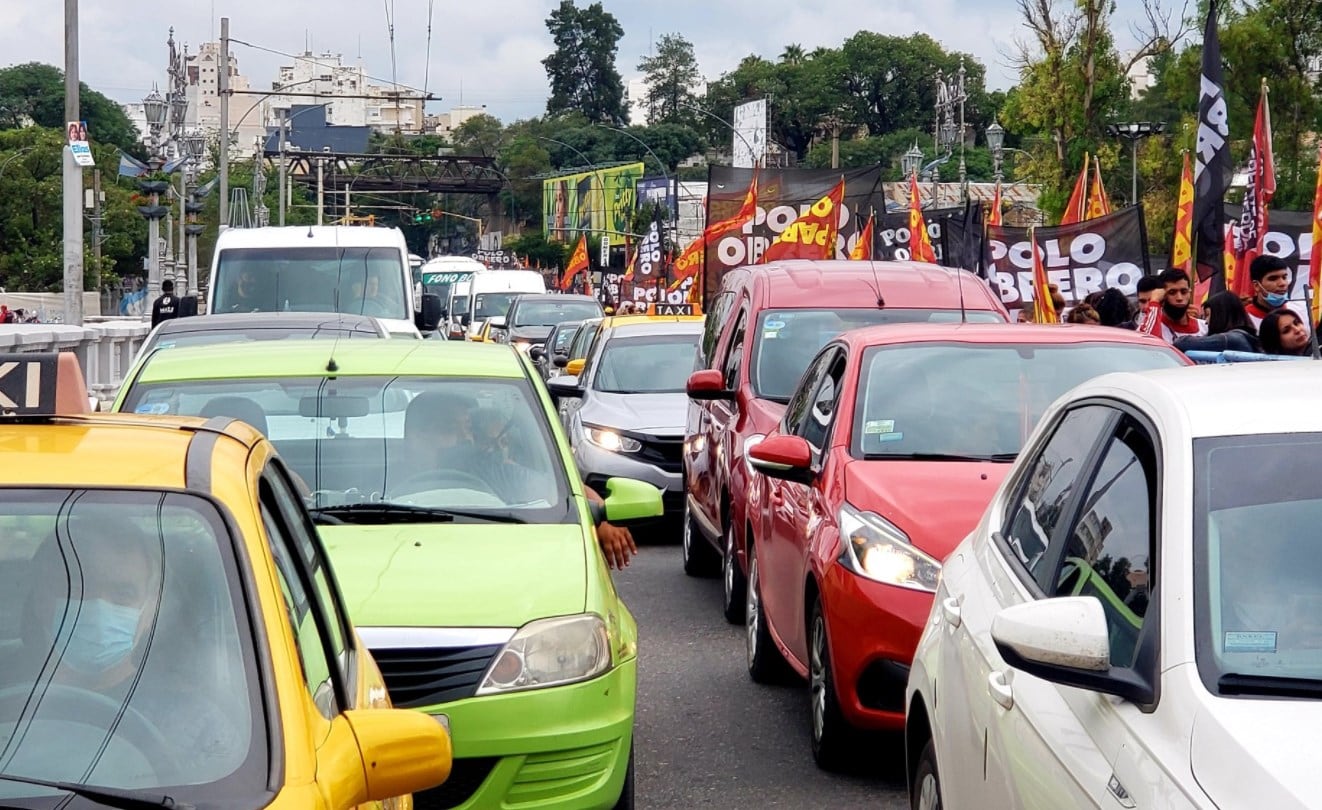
<point x="1068" y="631"/>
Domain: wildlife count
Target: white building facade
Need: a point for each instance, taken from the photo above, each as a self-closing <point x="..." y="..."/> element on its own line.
<point x="350" y="97"/>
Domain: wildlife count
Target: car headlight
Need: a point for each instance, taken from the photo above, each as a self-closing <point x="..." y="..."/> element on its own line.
<point x="550" y="652"/>
<point x="875" y="548"/>
<point x="611" y="441"/>
<point x="749" y="444"/>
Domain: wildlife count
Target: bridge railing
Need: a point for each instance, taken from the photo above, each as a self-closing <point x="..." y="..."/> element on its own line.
<point x="105" y="348"/>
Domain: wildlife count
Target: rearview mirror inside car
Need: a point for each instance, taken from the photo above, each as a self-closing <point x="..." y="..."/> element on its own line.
<point x="334" y="407"/>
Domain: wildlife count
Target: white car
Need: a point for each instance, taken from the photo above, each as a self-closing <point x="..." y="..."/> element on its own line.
<point x="1137" y="620"/>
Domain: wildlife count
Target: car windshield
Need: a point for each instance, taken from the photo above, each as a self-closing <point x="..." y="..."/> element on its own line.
<point x="975" y="400"/>
<point x="563" y="337"/>
<point x="357" y="280"/>
<point x="478" y="444"/>
<point x="786" y="340"/>
<point x="1258" y="562"/>
<point x="125" y="659"/>
<point x="492" y="305"/>
<point x="646" y="364"/>
<point x="550" y="313"/>
<point x="175" y="340"/>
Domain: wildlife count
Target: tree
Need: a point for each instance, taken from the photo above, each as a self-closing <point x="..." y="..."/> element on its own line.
<point x="582" y="67"/>
<point x="670" y="75"/>
<point x="35" y="93"/>
<point x="482" y="135"/>
<point x="793" y="54"/>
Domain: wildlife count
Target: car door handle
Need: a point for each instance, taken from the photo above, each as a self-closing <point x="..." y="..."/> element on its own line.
<point x="999" y="688"/>
<point x="950" y="609"/>
<point x="777" y="499"/>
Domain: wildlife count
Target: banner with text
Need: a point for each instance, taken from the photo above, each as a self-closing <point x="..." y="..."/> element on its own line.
<point x="891" y="241"/>
<point x="1080" y="259"/>
<point x="1289" y="236"/>
<point x="783" y="195"/>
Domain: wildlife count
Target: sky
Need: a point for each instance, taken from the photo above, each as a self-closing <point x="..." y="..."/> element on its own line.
<point x="486" y="52"/>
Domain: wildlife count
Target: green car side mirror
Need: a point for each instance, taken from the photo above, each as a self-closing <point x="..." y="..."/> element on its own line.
<point x="628" y="500"/>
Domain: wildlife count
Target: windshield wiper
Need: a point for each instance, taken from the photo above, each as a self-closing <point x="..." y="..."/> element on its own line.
<point x="108" y="796"/>
<point x="996" y="457"/>
<point x="1237" y="683"/>
<point x="402" y="513"/>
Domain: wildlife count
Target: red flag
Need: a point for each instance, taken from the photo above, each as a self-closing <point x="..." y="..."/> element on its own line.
<point x="1262" y="186"/>
<point x="994" y="218"/>
<point x="1076" y="208"/>
<point x="812" y="235"/>
<point x="1099" y="204"/>
<point x="863" y="247"/>
<point x="630" y="259"/>
<point x="1315" y="260"/>
<point x="920" y="244"/>
<point x="690" y="259"/>
<point x="578" y="263"/>
<point x="1182" y="249"/>
<point x="1044" y="309"/>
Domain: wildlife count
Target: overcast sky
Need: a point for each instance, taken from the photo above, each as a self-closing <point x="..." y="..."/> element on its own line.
<point x="490" y="51"/>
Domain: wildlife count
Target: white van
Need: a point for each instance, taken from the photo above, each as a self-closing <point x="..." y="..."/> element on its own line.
<point x="440" y="276"/>
<point x="490" y="295"/>
<point x="350" y="269"/>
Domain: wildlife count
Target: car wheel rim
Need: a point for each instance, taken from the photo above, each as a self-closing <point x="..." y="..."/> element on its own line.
<point x="928" y="797"/>
<point x="817" y="678"/>
<point x="751" y="602"/>
<point x="727" y="568"/>
<point x="688" y="533"/>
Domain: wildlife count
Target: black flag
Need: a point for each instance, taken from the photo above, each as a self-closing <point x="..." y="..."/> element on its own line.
<point x="1212" y="166"/>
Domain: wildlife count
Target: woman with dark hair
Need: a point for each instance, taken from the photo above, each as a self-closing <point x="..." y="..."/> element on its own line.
<point x="1228" y="328"/>
<point x="1283" y="333"/>
<point x="1113" y="307"/>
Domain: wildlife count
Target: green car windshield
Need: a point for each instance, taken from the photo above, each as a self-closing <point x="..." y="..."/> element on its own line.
<point x="480" y="446"/>
<point x="125" y="648"/>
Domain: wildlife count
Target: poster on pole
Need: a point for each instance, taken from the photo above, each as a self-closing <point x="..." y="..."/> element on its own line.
<point x="750" y="134"/>
<point x="78" y="146"/>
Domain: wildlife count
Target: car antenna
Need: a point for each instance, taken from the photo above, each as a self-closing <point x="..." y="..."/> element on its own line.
<point x="959" y="280"/>
<point x="876" y="284"/>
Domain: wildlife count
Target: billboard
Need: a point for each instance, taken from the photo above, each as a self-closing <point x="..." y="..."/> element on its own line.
<point x="750" y="134"/>
<point x="600" y="201"/>
<point x="658" y="191"/>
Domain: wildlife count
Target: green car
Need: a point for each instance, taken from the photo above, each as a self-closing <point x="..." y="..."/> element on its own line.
<point x="458" y="527"/>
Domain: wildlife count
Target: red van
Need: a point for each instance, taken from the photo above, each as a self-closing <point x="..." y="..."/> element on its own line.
<point x="764" y="325"/>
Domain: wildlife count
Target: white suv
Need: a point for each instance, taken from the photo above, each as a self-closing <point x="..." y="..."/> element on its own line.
<point x="1137" y="620"/>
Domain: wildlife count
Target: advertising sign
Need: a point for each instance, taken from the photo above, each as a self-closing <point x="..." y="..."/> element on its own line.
<point x="594" y="202"/>
<point x="750" y="134"/>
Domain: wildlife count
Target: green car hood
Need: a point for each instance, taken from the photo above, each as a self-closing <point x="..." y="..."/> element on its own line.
<point x="458" y="575"/>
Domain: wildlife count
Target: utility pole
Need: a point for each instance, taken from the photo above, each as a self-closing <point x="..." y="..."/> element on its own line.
<point x="73" y="177"/>
<point x="321" y="191"/>
<point x="96" y="230"/>
<point x="284" y="120"/>
<point x="224" y="92"/>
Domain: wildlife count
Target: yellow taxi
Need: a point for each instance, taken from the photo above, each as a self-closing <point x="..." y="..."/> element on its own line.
<point x="170" y="631"/>
<point x="655" y="313"/>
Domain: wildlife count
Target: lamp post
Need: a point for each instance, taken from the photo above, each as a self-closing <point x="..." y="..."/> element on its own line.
<point x="950" y="98"/>
<point x="911" y="161"/>
<point x="996" y="143"/>
<point x="156" y="110"/>
<point x="671" y="212"/>
<point x="1134" y="132"/>
<point x="196" y="144"/>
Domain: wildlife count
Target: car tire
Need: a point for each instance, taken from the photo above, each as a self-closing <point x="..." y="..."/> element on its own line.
<point x="626" y="794"/>
<point x="734" y="588"/>
<point x="699" y="557"/>
<point x="765" y="663"/>
<point x="832" y="737"/>
<point x="926" y="787"/>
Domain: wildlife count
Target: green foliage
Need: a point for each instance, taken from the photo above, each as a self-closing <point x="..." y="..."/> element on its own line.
<point x="582" y="69"/>
<point x="671" y="74"/>
<point x="35" y="91"/>
<point x="534" y="245"/>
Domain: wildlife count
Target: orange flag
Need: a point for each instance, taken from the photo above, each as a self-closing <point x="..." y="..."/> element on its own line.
<point x="1257" y="197"/>
<point x="1228" y="255"/>
<point x="1182" y="249"/>
<point x="920" y="244"/>
<point x="631" y="259"/>
<point x="690" y="260"/>
<point x="994" y="218"/>
<point x="863" y="247"/>
<point x="1099" y="205"/>
<point x="812" y="235"/>
<point x="1075" y="209"/>
<point x="1044" y="309"/>
<point x="1315" y="261"/>
<point x="578" y="262"/>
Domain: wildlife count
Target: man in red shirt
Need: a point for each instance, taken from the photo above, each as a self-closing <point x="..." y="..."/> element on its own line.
<point x="1175" y="318"/>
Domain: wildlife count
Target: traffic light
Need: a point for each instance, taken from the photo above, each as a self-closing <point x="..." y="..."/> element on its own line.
<point x="423" y="217"/>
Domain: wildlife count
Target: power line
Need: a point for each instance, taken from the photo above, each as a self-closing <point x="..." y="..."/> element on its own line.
<point x="296" y="56"/>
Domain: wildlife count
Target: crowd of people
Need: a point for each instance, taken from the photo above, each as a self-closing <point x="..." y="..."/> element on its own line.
<point x="1267" y="322"/>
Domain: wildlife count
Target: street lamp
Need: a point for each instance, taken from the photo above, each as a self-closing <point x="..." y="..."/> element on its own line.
<point x="911" y="161"/>
<point x="1134" y="132"/>
<point x="996" y="142"/>
<point x="155" y="109"/>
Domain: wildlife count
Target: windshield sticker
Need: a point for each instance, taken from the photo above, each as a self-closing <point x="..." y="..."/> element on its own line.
<point x="890" y="437"/>
<point x="153" y="408"/>
<point x="770" y="335"/>
<point x="1243" y="641"/>
<point x="776" y="325"/>
<point x="879" y="426"/>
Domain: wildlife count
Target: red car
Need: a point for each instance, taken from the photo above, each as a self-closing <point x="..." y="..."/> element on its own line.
<point x="887" y="454"/>
<point x="763" y="327"/>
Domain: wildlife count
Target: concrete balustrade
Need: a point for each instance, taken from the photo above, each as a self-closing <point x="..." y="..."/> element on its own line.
<point x="105" y="348"/>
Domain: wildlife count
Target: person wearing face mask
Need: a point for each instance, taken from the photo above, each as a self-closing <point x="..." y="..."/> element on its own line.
<point x="1271" y="287"/>
<point x="1176" y="321"/>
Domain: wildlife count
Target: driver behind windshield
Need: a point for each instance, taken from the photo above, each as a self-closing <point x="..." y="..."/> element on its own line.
<point x="92" y="621"/>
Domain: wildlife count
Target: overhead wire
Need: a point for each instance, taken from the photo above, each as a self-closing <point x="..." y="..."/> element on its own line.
<point x="265" y="49"/>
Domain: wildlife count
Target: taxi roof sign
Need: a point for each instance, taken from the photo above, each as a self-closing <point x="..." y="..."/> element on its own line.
<point x="674" y="309"/>
<point x="41" y="384"/>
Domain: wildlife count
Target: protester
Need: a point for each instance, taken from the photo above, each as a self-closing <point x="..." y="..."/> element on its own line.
<point x="1176" y="320"/>
<point x="166" y="306"/>
<point x="1271" y="287"/>
<point x="1228" y="328"/>
<point x="1057" y="301"/>
<point x="1149" y="287"/>
<point x="1283" y="333"/>
<point x="5" y="315"/>
<point x="1084" y="313"/>
<point x="1113" y="308"/>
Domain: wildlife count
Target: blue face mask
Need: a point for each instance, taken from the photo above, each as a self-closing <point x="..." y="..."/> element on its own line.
<point x="102" y="634"/>
<point x="1276" y="299"/>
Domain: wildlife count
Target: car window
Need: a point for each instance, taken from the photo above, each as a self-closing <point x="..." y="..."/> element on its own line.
<point x="583" y="340"/>
<point x="126" y="646"/>
<point x="1108" y="550"/>
<point x="817" y="422"/>
<point x="797" y="409"/>
<point x="644" y="364"/>
<point x="359" y="280"/>
<point x="1048" y="487"/>
<point x="734" y="352"/>
<point x="717" y="315"/>
<point x="550" y="313"/>
<point x="563" y="337"/>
